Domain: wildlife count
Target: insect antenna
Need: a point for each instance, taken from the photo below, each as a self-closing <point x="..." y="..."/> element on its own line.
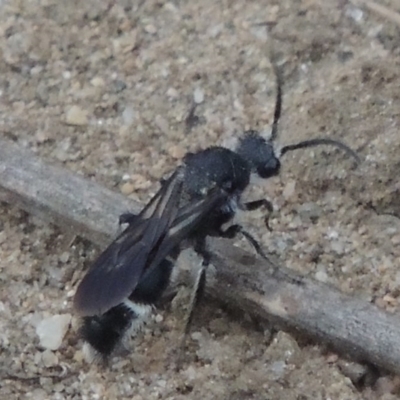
<point x="277" y="116"/>
<point x="319" y="142"/>
<point x="278" y="100"/>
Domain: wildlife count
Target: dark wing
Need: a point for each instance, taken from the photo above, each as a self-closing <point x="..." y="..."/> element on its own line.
<point x="186" y="222"/>
<point x="116" y="272"/>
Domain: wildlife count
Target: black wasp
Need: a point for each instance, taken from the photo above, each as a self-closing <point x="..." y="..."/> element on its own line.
<point x="200" y="196"/>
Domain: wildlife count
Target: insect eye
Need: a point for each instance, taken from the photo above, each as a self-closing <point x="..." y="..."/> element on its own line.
<point x="270" y="168"/>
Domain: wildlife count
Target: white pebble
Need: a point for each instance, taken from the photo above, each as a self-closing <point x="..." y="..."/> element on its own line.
<point x="355" y="13"/>
<point x="128" y="115"/>
<point x="289" y="189"/>
<point x="97" y="82"/>
<point x="76" y="116"/>
<point x="198" y="95"/>
<point x="159" y="318"/>
<point x="150" y="29"/>
<point x="321" y="276"/>
<point x="338" y="248"/>
<point x="51" y="330"/>
<point x="67" y="74"/>
<point x="278" y="369"/>
<point x="49" y="359"/>
<point x="196" y="336"/>
<point x="190" y="373"/>
<point x="215" y="30"/>
<point x="162" y="383"/>
<point x="332" y="234"/>
<point x="172" y="93"/>
<point x="64" y="257"/>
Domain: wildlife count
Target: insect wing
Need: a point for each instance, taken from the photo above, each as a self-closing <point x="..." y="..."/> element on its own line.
<point x="186" y="221"/>
<point x="115" y="274"/>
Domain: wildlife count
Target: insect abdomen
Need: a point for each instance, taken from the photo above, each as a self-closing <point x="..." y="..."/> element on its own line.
<point x="104" y="333"/>
<point x="152" y="286"/>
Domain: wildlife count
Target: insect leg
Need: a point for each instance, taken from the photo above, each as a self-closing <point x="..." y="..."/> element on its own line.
<point x="192" y="119"/>
<point x="196" y="296"/>
<point x="232" y="232"/>
<point x="127" y="218"/>
<point x="256" y="204"/>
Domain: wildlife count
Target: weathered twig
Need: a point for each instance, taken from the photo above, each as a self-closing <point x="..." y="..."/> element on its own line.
<point x="352" y="326"/>
<point x="379" y="9"/>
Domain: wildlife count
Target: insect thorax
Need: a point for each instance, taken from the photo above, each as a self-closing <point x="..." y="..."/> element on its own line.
<point x="215" y="167"/>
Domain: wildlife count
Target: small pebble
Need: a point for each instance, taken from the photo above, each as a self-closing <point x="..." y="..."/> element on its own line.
<point x="190" y="373"/>
<point x="309" y="211"/>
<point x="390" y="300"/>
<point x="289" y="189"/>
<point x="79" y="356"/>
<point x="118" y="86"/>
<point x="355" y="13"/>
<point x="176" y="152"/>
<point x="97" y="82"/>
<point x="76" y="116"/>
<point x="332" y="358"/>
<point x="42" y="136"/>
<point x="150" y="29"/>
<point x="198" y="95"/>
<point x="64" y="257"/>
<point x="277" y="369"/>
<point x="127" y="188"/>
<point x="51" y="331"/>
<point x="128" y="115"/>
<point x="140" y="182"/>
<point x="172" y="93"/>
<point x="38" y="394"/>
<point x="321" y="276"/>
<point x="354" y="371"/>
<point x="159" y="318"/>
<point x="338" y="248"/>
<point x="49" y="359"/>
<point x="387" y="385"/>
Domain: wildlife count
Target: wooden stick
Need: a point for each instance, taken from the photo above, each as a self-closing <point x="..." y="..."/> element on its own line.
<point x="380" y="9"/>
<point x="350" y="325"/>
<point x="59" y="196"/>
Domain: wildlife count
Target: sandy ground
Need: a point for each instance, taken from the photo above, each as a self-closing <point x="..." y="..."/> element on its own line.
<point x="104" y="88"/>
